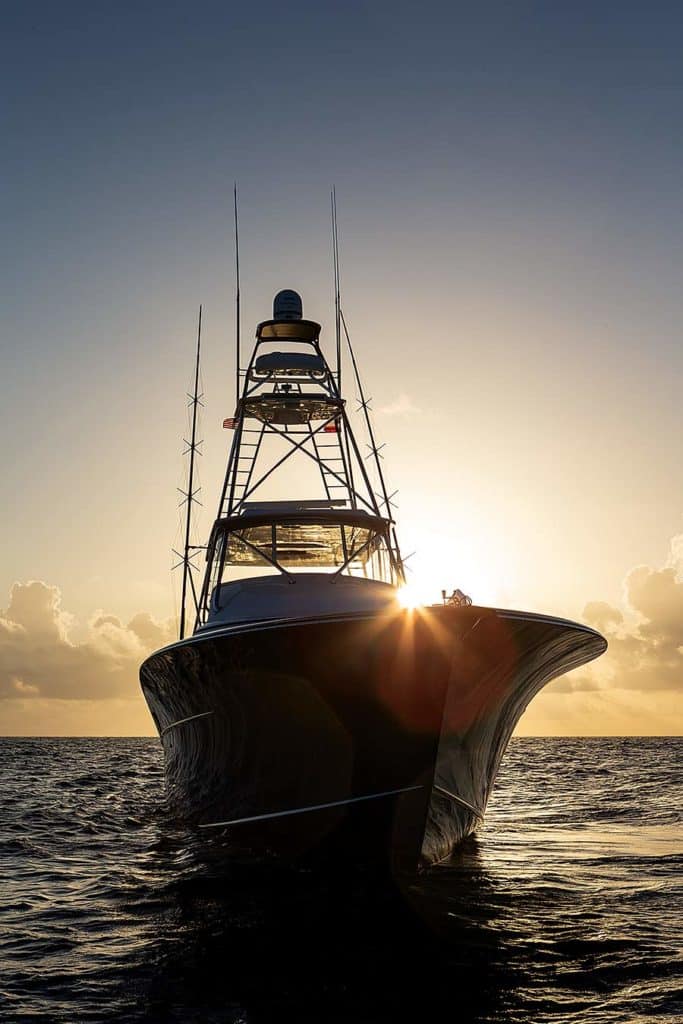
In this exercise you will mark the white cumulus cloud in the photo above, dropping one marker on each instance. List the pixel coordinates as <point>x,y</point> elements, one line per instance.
<point>645,638</point>
<point>39,660</point>
<point>403,405</point>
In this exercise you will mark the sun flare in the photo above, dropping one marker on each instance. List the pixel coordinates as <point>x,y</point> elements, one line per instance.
<point>409,597</point>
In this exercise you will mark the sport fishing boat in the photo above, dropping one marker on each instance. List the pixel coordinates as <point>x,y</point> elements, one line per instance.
<point>309,712</point>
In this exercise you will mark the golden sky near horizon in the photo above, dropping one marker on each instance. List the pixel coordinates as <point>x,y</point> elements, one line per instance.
<point>71,668</point>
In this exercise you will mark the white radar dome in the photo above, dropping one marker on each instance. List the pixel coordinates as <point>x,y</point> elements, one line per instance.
<point>287,305</point>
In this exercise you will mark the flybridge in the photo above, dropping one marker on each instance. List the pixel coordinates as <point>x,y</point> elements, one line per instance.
<point>290,410</point>
<point>293,396</point>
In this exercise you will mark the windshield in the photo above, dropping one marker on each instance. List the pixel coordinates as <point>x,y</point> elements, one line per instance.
<point>302,544</point>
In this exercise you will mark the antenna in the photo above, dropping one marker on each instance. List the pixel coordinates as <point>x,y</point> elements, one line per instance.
<point>193,445</point>
<point>237,300</point>
<point>335,271</point>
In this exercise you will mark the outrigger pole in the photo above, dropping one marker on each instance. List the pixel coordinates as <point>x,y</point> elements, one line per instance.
<point>338,317</point>
<point>237,301</point>
<point>375,450</point>
<point>192,448</point>
<point>337,286</point>
<point>340,325</point>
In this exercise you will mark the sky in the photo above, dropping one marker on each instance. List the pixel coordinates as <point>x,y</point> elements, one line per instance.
<point>508,179</point>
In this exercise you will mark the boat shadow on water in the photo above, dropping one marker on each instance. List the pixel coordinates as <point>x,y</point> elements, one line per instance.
<point>512,928</point>
<point>256,942</point>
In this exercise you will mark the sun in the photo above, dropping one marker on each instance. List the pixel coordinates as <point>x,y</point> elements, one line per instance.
<point>409,597</point>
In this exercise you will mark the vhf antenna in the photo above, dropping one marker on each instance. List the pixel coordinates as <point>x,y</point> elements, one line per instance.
<point>192,449</point>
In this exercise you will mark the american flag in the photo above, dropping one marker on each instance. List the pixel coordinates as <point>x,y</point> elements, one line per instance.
<point>230,423</point>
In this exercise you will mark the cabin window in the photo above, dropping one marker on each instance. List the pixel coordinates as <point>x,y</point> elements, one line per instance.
<point>302,545</point>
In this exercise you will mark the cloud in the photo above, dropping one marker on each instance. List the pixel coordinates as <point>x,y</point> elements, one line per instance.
<point>575,682</point>
<point>40,662</point>
<point>646,640</point>
<point>401,406</point>
<point>602,615</point>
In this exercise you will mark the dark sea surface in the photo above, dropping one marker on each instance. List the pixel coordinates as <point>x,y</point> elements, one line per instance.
<point>567,907</point>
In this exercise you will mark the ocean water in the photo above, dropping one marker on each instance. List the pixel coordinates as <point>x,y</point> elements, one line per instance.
<point>567,906</point>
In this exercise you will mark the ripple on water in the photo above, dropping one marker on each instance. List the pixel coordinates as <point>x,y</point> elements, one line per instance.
<point>563,908</point>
